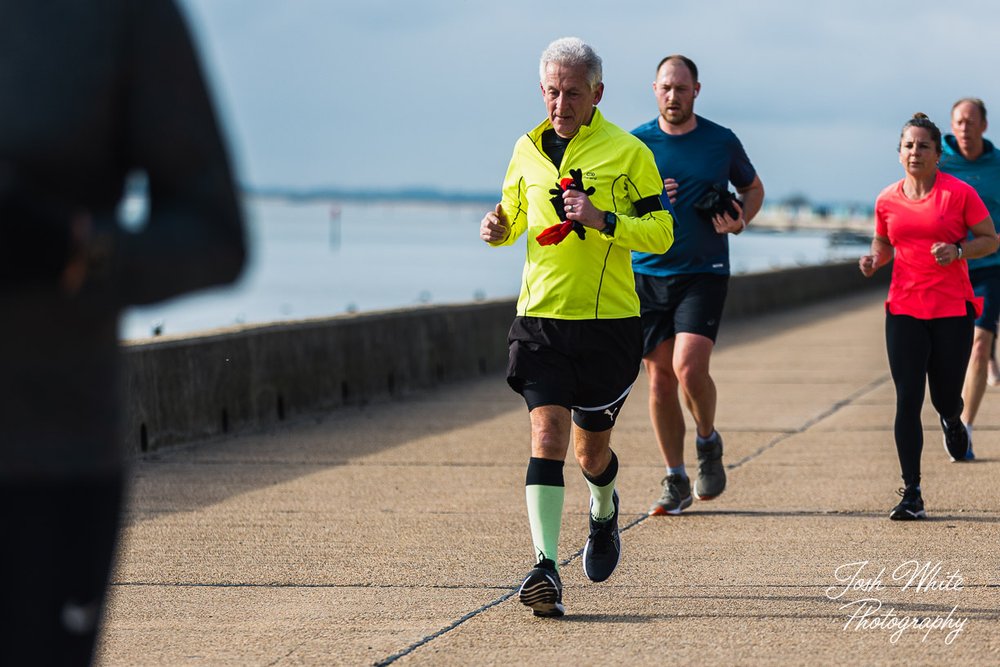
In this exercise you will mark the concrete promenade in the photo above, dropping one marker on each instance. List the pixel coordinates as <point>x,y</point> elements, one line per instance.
<point>397,533</point>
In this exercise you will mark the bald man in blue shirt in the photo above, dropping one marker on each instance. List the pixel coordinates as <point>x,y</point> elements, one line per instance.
<point>967,154</point>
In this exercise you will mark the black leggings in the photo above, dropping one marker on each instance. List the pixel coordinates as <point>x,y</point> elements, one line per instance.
<point>59,543</point>
<point>936,351</point>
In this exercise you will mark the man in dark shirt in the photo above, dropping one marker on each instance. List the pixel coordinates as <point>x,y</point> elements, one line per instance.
<point>683,291</point>
<point>89,92</point>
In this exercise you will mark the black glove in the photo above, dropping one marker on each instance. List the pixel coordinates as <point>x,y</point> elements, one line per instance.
<point>717,201</point>
<point>556,233</point>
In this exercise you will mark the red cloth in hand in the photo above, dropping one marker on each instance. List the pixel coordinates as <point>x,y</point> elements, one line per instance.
<point>554,234</point>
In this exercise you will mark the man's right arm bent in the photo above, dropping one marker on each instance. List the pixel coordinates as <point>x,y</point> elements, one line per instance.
<point>512,211</point>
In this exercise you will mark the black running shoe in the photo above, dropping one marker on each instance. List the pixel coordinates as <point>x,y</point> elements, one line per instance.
<point>911,507</point>
<point>604,548</point>
<point>956,439</point>
<point>542,590</point>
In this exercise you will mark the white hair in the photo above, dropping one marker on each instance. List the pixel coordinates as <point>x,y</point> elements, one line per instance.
<point>572,52</point>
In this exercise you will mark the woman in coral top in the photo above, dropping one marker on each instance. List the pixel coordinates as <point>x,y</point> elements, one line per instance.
<point>923,222</point>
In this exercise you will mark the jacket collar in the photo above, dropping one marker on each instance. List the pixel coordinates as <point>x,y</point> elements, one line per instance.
<point>585,130</point>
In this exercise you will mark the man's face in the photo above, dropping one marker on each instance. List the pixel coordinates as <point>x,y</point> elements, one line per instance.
<point>569,97</point>
<point>675,91</point>
<point>967,124</point>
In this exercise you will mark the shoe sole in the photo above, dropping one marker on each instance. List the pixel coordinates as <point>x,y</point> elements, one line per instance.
<point>542,596</point>
<point>660,510</point>
<point>907,515</point>
<point>707,496</point>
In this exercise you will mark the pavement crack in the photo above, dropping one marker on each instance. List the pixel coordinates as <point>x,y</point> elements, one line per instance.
<point>454,624</point>
<point>472,614</point>
<point>836,407</point>
<point>252,584</point>
<point>809,423</point>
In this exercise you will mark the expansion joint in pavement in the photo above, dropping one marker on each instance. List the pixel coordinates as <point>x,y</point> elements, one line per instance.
<point>809,423</point>
<point>832,410</point>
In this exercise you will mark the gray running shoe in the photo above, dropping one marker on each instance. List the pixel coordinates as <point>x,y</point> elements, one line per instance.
<point>711,472</point>
<point>676,496</point>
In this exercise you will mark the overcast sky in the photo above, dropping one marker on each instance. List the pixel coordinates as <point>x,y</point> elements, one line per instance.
<point>384,93</point>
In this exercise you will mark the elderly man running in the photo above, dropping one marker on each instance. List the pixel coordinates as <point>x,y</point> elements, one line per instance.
<point>587,194</point>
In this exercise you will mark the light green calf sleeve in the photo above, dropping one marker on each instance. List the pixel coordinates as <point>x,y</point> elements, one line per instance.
<point>545,506</point>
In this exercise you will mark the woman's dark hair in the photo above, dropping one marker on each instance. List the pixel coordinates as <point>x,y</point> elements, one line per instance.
<point>921,120</point>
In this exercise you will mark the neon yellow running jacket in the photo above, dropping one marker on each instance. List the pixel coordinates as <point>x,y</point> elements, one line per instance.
<point>591,278</point>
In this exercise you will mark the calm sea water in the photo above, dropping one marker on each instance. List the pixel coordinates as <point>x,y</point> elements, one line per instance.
<point>318,259</point>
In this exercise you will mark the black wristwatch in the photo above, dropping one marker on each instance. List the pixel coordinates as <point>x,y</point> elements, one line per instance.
<point>611,221</point>
<point>960,251</point>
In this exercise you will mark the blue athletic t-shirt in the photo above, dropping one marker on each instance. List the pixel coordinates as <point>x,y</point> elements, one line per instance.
<point>706,155</point>
<point>983,174</point>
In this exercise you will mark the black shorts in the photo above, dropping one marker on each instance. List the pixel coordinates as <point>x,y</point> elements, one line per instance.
<point>587,366</point>
<point>986,283</point>
<point>682,303</point>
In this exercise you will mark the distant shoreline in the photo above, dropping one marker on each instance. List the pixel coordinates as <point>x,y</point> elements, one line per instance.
<point>777,216</point>
<point>403,195</point>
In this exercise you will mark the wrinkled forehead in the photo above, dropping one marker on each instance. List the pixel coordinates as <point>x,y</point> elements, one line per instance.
<point>562,76</point>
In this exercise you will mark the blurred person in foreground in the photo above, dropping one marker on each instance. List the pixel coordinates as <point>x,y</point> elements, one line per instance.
<point>586,193</point>
<point>91,92</point>
<point>967,154</point>
<point>929,224</point>
<point>683,291</point>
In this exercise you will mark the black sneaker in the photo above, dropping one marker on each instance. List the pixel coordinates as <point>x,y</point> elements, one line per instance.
<point>604,548</point>
<point>956,439</point>
<point>542,590</point>
<point>911,507</point>
<point>676,496</point>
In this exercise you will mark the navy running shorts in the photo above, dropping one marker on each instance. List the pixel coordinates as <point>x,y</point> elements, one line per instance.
<point>683,303</point>
<point>986,283</point>
<point>587,366</point>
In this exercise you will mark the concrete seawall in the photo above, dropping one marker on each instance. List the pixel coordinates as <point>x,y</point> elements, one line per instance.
<point>247,378</point>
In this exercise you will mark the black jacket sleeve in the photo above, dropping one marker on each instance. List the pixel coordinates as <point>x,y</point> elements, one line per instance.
<point>194,234</point>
